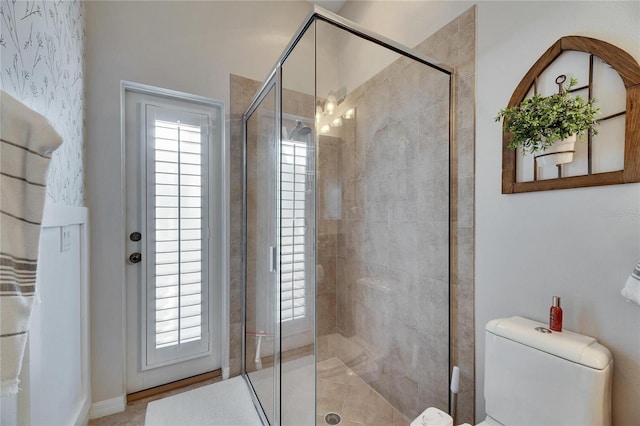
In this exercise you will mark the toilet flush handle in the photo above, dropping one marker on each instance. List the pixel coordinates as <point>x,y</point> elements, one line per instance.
<point>455,380</point>
<point>455,388</point>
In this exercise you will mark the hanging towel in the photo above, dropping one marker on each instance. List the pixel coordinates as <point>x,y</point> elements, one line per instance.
<point>631,290</point>
<point>27,141</point>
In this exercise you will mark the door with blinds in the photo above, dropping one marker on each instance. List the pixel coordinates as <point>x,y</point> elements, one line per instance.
<point>173,293</point>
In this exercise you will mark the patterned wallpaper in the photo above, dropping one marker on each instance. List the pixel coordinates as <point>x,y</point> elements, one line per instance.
<point>42,64</point>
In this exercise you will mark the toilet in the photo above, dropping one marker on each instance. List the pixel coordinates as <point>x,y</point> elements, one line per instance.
<point>534,376</point>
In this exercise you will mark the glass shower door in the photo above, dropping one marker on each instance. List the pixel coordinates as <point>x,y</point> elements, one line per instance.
<point>298,234</point>
<point>261,332</point>
<point>279,328</point>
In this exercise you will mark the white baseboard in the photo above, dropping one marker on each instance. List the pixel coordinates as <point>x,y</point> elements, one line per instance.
<point>82,416</point>
<point>225,372</point>
<point>107,407</point>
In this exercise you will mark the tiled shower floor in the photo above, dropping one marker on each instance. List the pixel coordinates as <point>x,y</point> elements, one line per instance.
<point>340,390</point>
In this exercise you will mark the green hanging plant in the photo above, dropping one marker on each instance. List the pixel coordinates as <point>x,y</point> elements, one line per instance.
<point>540,121</point>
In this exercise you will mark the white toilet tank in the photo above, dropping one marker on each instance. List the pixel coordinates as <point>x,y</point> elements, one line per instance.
<point>537,377</point>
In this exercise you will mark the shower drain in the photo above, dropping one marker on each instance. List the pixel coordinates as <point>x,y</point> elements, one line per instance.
<point>332,419</point>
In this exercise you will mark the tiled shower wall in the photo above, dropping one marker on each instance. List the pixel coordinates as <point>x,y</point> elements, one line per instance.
<point>393,299</point>
<point>329,180</point>
<point>455,44</point>
<point>242,91</point>
<point>392,280</point>
<point>295,104</point>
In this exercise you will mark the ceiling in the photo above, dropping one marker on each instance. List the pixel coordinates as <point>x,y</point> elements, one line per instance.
<point>332,5</point>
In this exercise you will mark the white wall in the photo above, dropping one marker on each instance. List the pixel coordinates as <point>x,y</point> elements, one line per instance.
<point>186,46</point>
<point>57,355</point>
<point>59,335</point>
<point>407,22</point>
<point>54,355</point>
<point>580,244</point>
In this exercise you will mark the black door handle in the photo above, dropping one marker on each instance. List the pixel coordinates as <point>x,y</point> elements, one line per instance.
<point>135,257</point>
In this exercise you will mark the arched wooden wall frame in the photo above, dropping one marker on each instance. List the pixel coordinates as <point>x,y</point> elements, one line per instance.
<point>629,70</point>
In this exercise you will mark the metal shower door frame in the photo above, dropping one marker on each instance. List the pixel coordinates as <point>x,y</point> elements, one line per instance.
<point>274,81</point>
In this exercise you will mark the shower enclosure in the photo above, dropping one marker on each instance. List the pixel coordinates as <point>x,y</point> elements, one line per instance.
<point>347,229</point>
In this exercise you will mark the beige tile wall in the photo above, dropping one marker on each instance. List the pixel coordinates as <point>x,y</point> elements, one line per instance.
<point>242,91</point>
<point>300,105</point>
<point>455,44</point>
<point>392,284</point>
<point>329,177</point>
<point>393,239</point>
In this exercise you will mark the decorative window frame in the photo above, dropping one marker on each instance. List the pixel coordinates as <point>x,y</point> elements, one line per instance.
<point>629,70</point>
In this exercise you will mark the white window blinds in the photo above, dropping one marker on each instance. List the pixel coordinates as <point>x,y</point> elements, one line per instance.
<point>293,229</point>
<point>176,213</point>
<point>178,210</point>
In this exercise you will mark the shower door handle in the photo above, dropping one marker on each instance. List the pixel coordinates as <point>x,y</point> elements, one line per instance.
<point>272,259</point>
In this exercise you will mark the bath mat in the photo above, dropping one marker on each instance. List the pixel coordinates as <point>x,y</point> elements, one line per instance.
<point>226,403</point>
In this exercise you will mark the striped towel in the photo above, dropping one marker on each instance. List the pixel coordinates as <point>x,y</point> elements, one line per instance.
<point>631,290</point>
<point>27,141</point>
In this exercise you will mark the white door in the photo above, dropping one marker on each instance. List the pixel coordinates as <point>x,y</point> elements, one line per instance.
<point>173,287</point>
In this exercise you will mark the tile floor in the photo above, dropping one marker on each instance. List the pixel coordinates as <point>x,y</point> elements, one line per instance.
<point>134,414</point>
<point>340,390</point>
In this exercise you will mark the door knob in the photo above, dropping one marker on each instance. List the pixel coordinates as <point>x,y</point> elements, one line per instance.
<point>135,236</point>
<point>135,257</point>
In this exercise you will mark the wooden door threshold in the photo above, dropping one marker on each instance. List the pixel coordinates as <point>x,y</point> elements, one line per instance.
<point>136,396</point>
